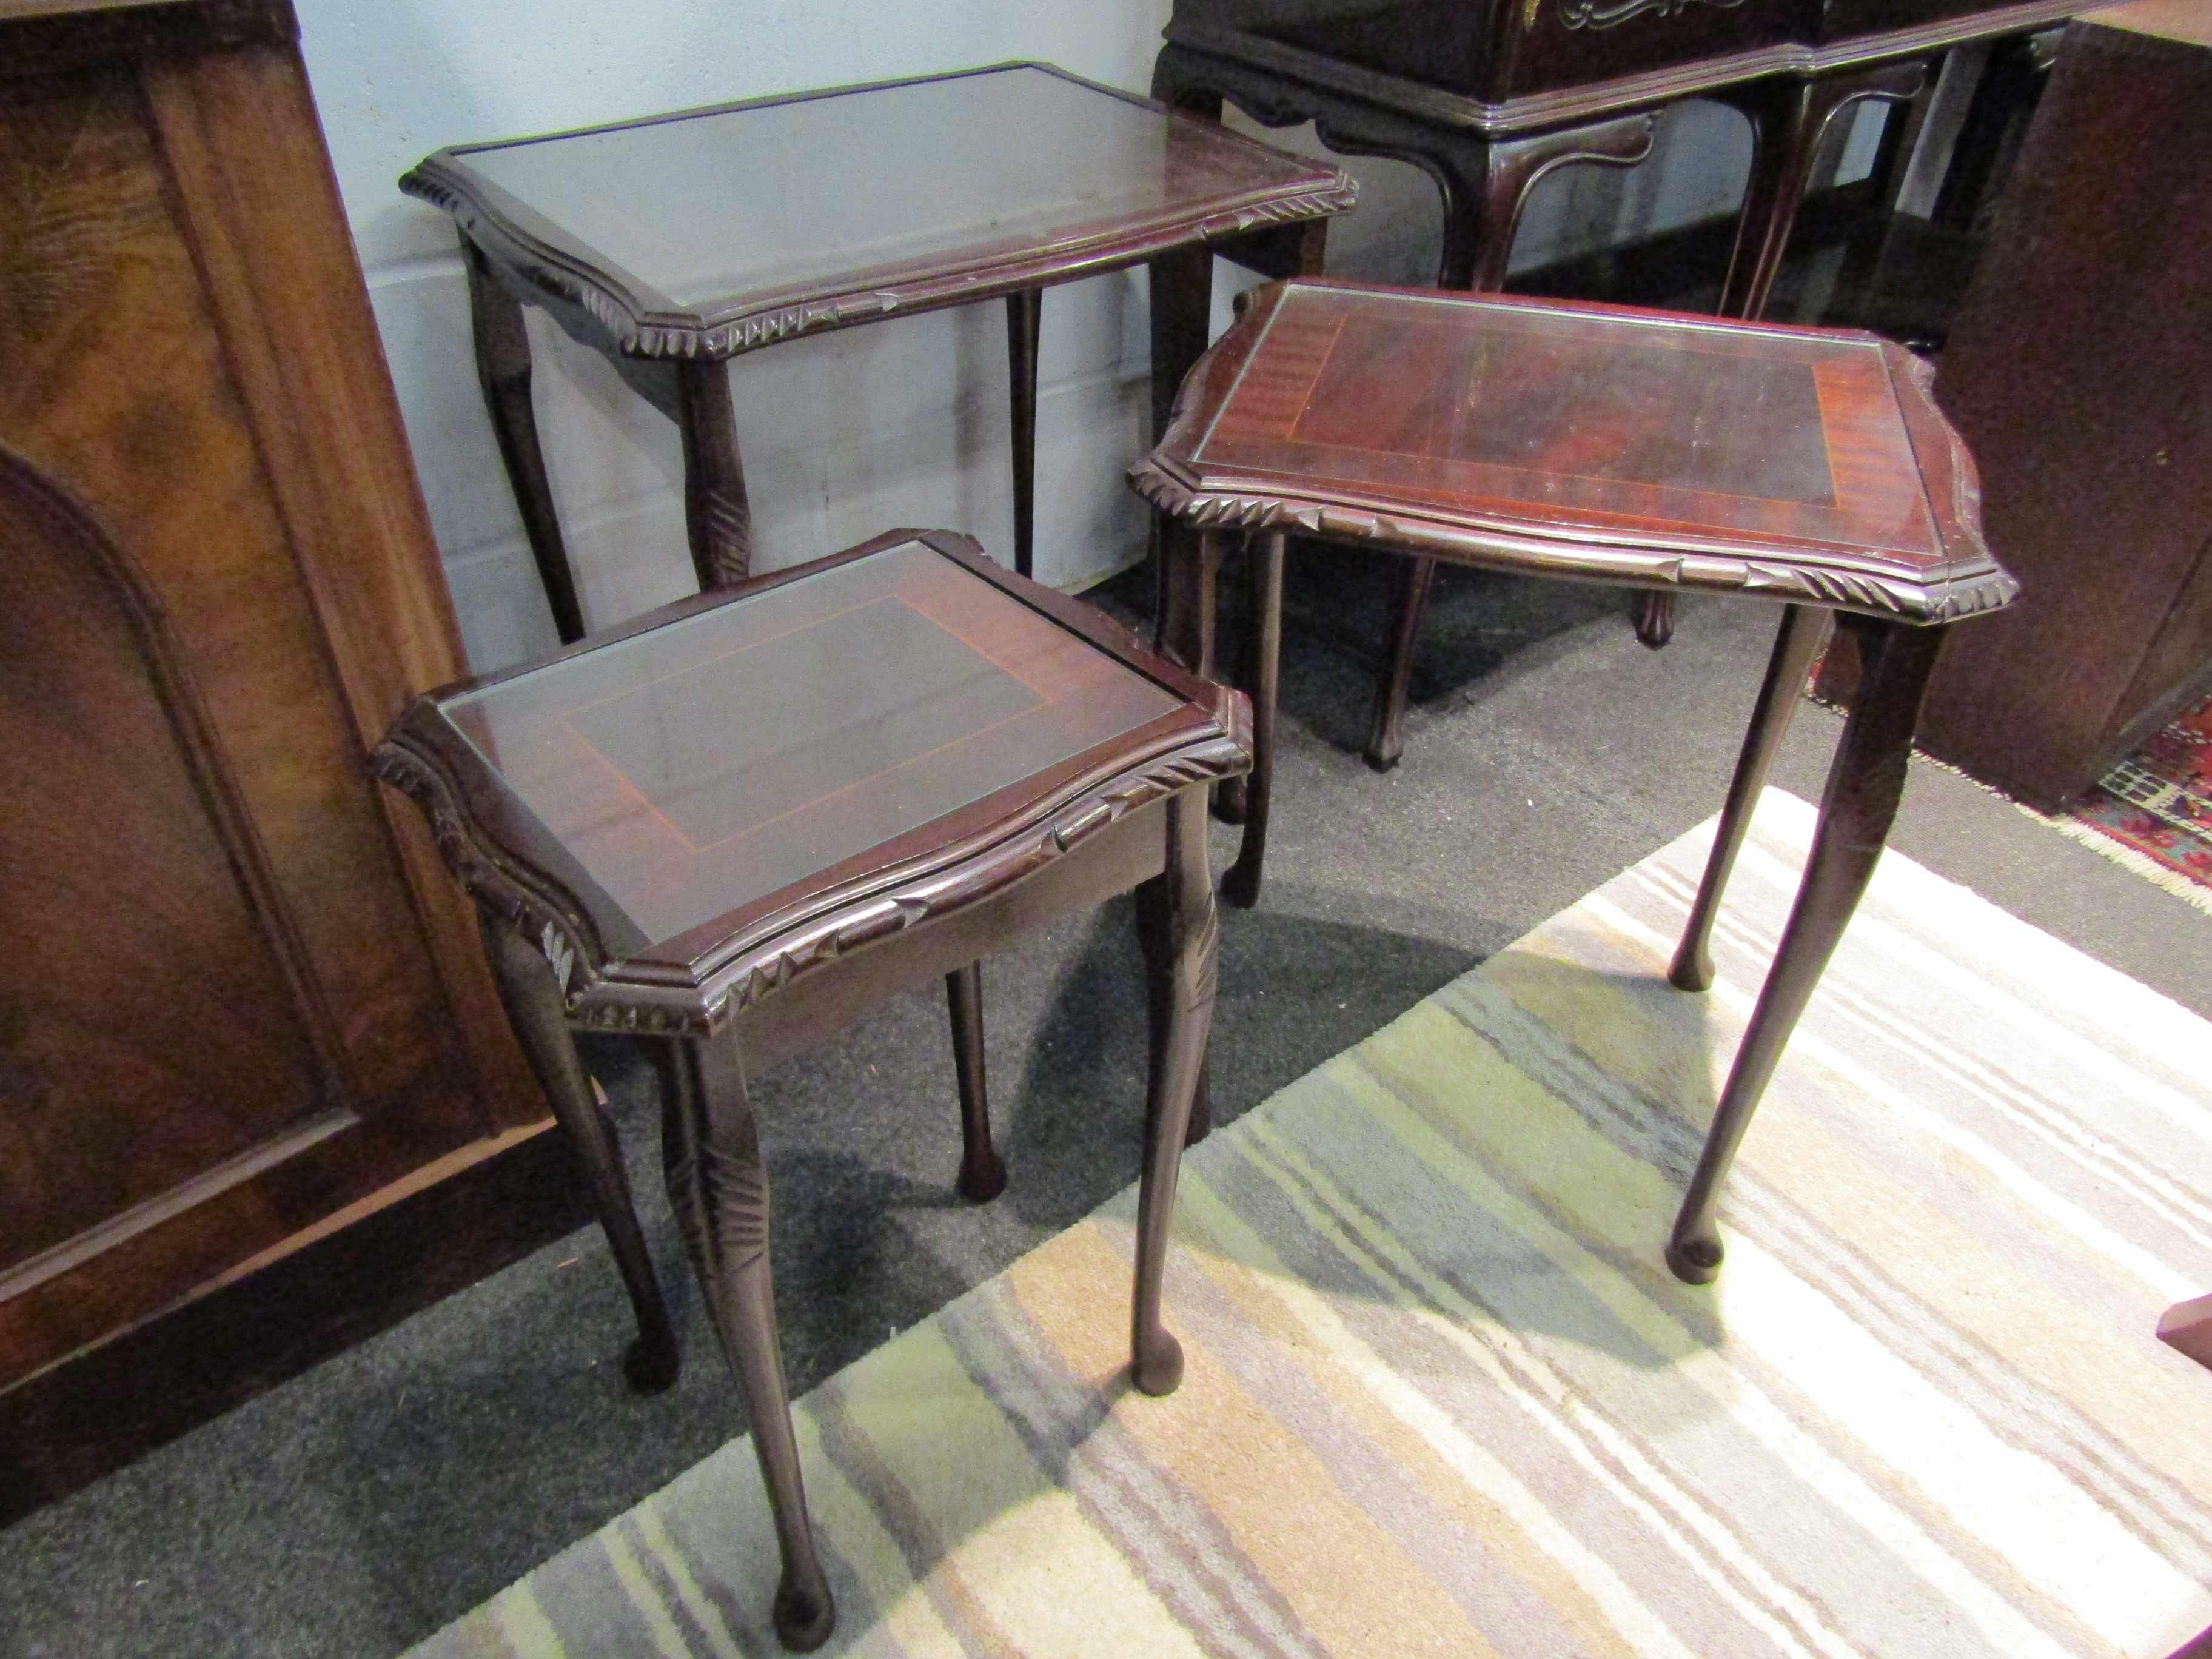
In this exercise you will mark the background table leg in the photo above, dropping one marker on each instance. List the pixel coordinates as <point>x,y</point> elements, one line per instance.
<point>1864,783</point>
<point>716,514</point>
<point>1182,283</point>
<point>1796,644</point>
<point>1185,939</point>
<point>532,991</point>
<point>503,351</point>
<point>983,1173</point>
<point>1263,625</point>
<point>1788,116</point>
<point>711,1155</point>
<point>1485,186</point>
<point>1024,318</point>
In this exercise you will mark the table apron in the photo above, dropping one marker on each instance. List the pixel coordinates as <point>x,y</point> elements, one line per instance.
<point>824,1002</point>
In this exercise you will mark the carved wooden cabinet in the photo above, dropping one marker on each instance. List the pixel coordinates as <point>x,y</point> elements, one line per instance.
<point>239,1006</point>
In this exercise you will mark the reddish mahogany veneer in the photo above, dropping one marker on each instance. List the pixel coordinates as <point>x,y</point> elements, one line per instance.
<point>1598,444</point>
<point>739,823</point>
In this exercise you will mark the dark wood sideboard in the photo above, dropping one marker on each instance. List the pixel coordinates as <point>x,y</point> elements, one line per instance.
<point>2079,370</point>
<point>1532,60</point>
<point>256,1096</point>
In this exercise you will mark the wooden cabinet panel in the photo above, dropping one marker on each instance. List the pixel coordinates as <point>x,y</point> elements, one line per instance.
<point>116,1101</point>
<point>243,1000</point>
<point>2080,369</point>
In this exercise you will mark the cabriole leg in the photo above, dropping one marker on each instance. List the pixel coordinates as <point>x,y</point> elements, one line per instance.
<point>1241,887</point>
<point>717,516</point>
<point>1788,117</point>
<point>983,1174</point>
<point>530,991</point>
<point>711,1155</point>
<point>1183,933</point>
<point>1864,783</point>
<point>1386,736</point>
<point>1025,317</point>
<point>502,349</point>
<point>1485,186</point>
<point>1795,644</point>
<point>1181,289</point>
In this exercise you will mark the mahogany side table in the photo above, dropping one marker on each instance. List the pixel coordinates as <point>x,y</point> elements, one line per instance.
<point>1806,467</point>
<point>733,826</point>
<point>673,243</point>
<point>1488,96</point>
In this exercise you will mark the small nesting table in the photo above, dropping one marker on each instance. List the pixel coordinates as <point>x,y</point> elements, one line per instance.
<point>1809,468</point>
<point>733,825</point>
<point>674,243</point>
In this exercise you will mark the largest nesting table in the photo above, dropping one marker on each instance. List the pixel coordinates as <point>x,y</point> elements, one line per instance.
<point>1809,468</point>
<point>674,243</point>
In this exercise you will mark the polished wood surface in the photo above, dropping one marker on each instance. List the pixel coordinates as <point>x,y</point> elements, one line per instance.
<point>1594,443</point>
<point>244,999</point>
<point>650,855</point>
<point>711,764</point>
<point>2080,368</point>
<point>1584,442</point>
<point>694,236</point>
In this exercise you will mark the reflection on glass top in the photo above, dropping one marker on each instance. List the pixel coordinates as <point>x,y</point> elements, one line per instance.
<point>701,766</point>
<point>713,209</point>
<point>1539,398</point>
<point>1558,415</point>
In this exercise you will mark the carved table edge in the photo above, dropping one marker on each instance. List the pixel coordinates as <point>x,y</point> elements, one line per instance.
<point>819,929</point>
<point>643,325</point>
<point>1530,550</point>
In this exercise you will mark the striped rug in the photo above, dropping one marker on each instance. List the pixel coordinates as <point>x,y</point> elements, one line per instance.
<point>1443,1398</point>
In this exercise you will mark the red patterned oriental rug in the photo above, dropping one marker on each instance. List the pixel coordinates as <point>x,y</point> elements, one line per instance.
<point>2153,812</point>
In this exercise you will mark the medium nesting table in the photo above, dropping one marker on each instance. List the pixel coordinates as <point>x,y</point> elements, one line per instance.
<point>1809,468</point>
<point>676,242</point>
<point>733,826</point>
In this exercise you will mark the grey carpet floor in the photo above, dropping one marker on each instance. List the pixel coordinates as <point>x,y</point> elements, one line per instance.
<point>359,1507</point>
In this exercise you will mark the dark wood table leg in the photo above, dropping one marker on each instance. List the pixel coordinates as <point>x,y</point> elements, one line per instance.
<point>1864,783</point>
<point>1024,316</point>
<point>719,1185</point>
<point>1184,632</point>
<point>1182,284</point>
<point>1409,602</point>
<point>503,349</point>
<point>716,514</point>
<point>982,1172</point>
<point>532,993</point>
<point>1263,625</point>
<point>1654,618</point>
<point>1788,116</point>
<point>1181,929</point>
<point>2011,82</point>
<point>1191,570</point>
<point>1485,186</point>
<point>1230,801</point>
<point>1803,629</point>
<point>1788,119</point>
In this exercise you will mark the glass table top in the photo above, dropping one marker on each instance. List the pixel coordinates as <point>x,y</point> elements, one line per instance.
<point>713,209</point>
<point>698,767</point>
<point>1574,417</point>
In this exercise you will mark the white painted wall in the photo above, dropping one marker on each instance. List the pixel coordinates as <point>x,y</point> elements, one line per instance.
<point>901,422</point>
